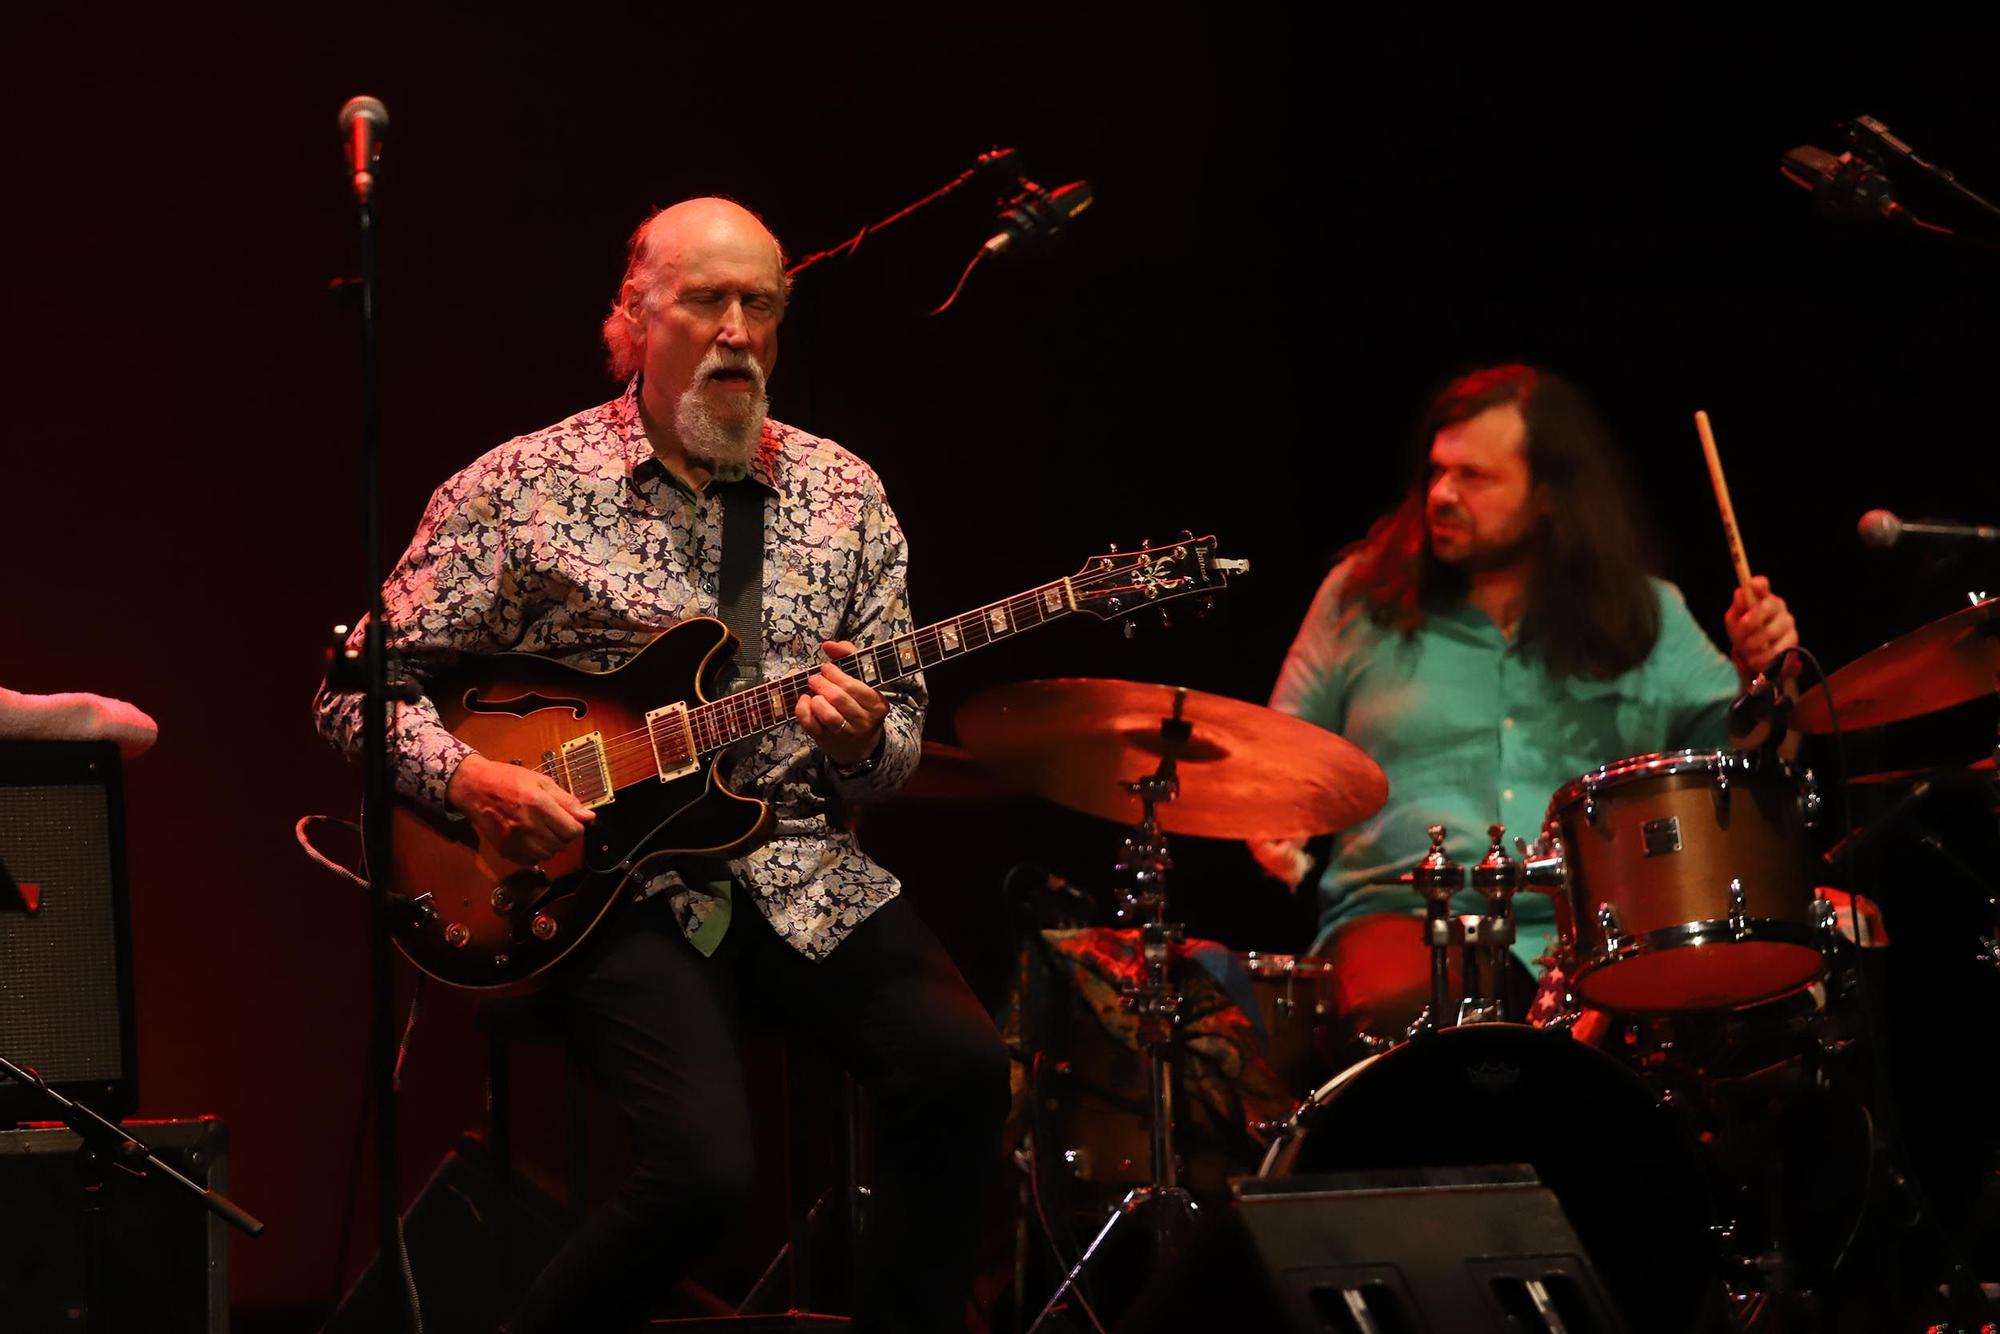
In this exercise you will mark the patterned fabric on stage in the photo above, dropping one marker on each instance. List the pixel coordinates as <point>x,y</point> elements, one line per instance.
<point>1230,1088</point>
<point>576,542</point>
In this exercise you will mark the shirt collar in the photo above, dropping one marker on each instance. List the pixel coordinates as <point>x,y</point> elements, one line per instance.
<point>766,465</point>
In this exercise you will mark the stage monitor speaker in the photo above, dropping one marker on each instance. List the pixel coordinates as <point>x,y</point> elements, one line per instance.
<point>160,1257</point>
<point>452,1251</point>
<point>65,938</point>
<point>1438,1251</point>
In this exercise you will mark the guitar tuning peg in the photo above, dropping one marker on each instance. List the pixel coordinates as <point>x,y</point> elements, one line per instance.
<point>1187,535</point>
<point>1203,607</point>
<point>1113,548</point>
<point>1145,542</point>
<point>1131,628</point>
<point>1166,622</point>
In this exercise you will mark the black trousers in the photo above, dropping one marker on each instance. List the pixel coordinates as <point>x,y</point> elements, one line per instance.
<point>658,1024</point>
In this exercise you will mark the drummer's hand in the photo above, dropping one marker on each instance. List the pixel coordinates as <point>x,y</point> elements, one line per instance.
<point>1283,859</point>
<point>1759,631</point>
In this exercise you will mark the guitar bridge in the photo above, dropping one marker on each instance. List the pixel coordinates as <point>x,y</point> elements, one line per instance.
<point>588,772</point>
<point>674,750</point>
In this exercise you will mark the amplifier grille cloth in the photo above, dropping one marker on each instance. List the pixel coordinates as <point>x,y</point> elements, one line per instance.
<point>59,966</point>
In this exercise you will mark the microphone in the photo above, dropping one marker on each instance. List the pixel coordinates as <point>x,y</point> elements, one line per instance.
<point>363,121</point>
<point>1036,213</point>
<point>1882,529</point>
<point>1847,187</point>
<point>1756,703</point>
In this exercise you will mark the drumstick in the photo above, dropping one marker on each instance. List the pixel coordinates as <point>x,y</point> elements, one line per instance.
<point>1729,528</point>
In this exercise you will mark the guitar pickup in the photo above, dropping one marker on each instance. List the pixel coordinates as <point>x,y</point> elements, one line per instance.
<point>589,774</point>
<point>674,751</point>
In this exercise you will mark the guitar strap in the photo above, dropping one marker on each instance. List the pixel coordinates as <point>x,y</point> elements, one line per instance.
<point>740,586</point>
<point>740,598</point>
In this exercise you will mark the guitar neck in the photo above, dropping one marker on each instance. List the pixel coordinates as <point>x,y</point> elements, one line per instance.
<point>770,704</point>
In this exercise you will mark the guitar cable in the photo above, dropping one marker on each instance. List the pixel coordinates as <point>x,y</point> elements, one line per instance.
<point>300,831</point>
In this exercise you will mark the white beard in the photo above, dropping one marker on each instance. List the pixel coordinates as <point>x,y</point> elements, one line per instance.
<point>723,445</point>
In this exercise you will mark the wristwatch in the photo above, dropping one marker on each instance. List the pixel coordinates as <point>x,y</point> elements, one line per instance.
<point>865,767</point>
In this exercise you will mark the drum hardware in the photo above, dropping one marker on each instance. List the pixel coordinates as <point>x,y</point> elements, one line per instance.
<point>1438,879</point>
<point>1486,938</point>
<point>1253,773</point>
<point>1169,1208</point>
<point>1497,876</point>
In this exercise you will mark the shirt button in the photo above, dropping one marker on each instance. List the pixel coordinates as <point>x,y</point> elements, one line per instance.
<point>1507,795</point>
<point>1507,723</point>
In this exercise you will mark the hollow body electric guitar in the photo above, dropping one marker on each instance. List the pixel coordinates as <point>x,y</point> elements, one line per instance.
<point>637,745</point>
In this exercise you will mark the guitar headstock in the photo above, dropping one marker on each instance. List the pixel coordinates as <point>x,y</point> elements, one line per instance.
<point>1119,584</point>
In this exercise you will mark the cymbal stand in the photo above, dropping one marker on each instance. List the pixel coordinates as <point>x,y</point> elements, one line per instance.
<point>1168,1208</point>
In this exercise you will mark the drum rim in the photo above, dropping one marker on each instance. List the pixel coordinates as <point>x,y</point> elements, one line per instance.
<point>1285,1136</point>
<point>1697,935</point>
<point>1667,763</point>
<point>1269,963</point>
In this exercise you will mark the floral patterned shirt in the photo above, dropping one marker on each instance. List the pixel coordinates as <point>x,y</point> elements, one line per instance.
<point>576,542</point>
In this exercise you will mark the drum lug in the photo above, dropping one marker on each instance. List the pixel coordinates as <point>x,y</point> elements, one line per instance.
<point>1826,918</point>
<point>1545,864</point>
<point>1809,800</point>
<point>1739,919</point>
<point>1612,927</point>
<point>1590,800</point>
<point>1719,770</point>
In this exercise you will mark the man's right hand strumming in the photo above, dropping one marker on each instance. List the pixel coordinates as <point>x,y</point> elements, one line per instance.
<point>523,813</point>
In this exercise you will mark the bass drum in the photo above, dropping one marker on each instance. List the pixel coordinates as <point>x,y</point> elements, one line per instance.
<point>1626,1171</point>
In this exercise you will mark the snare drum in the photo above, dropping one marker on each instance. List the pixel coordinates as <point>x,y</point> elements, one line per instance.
<point>1689,881</point>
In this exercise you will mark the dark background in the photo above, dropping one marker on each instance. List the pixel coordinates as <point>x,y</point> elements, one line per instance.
<point>1303,225</point>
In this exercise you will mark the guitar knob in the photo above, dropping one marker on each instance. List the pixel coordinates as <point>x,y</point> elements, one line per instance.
<point>543,927</point>
<point>458,935</point>
<point>502,900</point>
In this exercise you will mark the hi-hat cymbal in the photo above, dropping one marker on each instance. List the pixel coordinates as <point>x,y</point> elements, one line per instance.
<point>1245,771</point>
<point>1947,662</point>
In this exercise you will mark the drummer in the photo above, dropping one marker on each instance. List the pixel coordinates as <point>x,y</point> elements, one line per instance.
<point>1497,635</point>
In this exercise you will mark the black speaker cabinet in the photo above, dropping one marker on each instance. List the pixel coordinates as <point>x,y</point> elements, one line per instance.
<point>65,942</point>
<point>1469,1250</point>
<point>160,1256</point>
<point>1451,1249</point>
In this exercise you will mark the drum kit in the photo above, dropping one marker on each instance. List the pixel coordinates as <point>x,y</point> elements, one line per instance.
<point>1693,1080</point>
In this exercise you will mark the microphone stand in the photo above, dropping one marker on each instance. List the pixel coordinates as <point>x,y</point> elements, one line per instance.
<point>378,794</point>
<point>105,1145</point>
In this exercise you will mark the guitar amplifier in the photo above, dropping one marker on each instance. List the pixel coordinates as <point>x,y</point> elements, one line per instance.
<point>65,940</point>
<point>160,1257</point>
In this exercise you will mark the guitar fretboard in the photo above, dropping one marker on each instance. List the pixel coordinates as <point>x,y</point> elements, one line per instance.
<point>770,704</point>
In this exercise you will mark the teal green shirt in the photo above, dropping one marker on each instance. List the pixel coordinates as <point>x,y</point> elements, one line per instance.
<point>1472,731</point>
